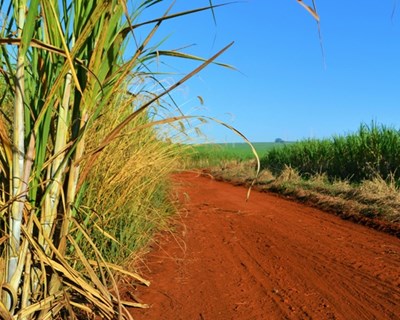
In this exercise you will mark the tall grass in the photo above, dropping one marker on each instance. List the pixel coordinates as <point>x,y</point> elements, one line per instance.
<point>65,68</point>
<point>126,195</point>
<point>373,151</point>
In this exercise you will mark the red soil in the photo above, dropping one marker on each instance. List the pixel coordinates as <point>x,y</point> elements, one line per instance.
<point>267,258</point>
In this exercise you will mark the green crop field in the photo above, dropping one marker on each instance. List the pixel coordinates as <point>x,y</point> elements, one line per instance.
<point>373,151</point>
<point>212,154</point>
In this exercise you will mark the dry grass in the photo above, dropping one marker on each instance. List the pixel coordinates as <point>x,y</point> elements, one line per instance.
<point>379,189</point>
<point>127,192</point>
<point>288,175</point>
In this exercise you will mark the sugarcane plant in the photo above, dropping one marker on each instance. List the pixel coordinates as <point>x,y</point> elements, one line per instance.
<point>63,63</point>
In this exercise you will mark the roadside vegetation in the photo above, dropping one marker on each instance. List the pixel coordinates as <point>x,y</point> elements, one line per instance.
<point>83,171</point>
<point>364,188</point>
<point>126,196</point>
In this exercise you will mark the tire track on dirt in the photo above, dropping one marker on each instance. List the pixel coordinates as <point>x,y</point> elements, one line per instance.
<point>267,258</point>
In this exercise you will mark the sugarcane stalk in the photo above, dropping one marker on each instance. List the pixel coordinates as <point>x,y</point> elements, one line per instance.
<point>58,164</point>
<point>18,160</point>
<point>58,167</point>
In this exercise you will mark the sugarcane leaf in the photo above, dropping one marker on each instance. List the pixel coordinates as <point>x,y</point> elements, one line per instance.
<point>309,9</point>
<point>172,16</point>
<point>182,55</point>
<point>121,270</point>
<point>29,26</point>
<point>111,136</point>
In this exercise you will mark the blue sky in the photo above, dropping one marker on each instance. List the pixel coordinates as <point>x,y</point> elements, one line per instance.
<point>285,86</point>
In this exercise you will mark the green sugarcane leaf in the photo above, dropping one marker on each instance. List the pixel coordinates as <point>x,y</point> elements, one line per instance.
<point>181,55</point>
<point>29,26</point>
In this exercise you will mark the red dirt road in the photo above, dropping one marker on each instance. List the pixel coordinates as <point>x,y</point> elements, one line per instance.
<point>267,258</point>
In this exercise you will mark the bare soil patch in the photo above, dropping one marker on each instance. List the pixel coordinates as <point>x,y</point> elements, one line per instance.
<point>267,258</point>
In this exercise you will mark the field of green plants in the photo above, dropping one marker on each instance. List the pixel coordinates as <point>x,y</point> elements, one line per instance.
<point>370,152</point>
<point>373,151</point>
<point>214,154</point>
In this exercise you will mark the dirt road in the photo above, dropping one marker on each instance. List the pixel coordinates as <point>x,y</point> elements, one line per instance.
<point>267,258</point>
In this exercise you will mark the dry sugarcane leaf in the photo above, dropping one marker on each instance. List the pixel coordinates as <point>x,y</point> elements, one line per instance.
<point>3,239</point>
<point>4,313</point>
<point>89,270</point>
<point>121,270</point>
<point>40,305</point>
<point>309,9</point>
<point>135,304</point>
<point>75,278</point>
<point>87,265</point>
<point>54,311</point>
